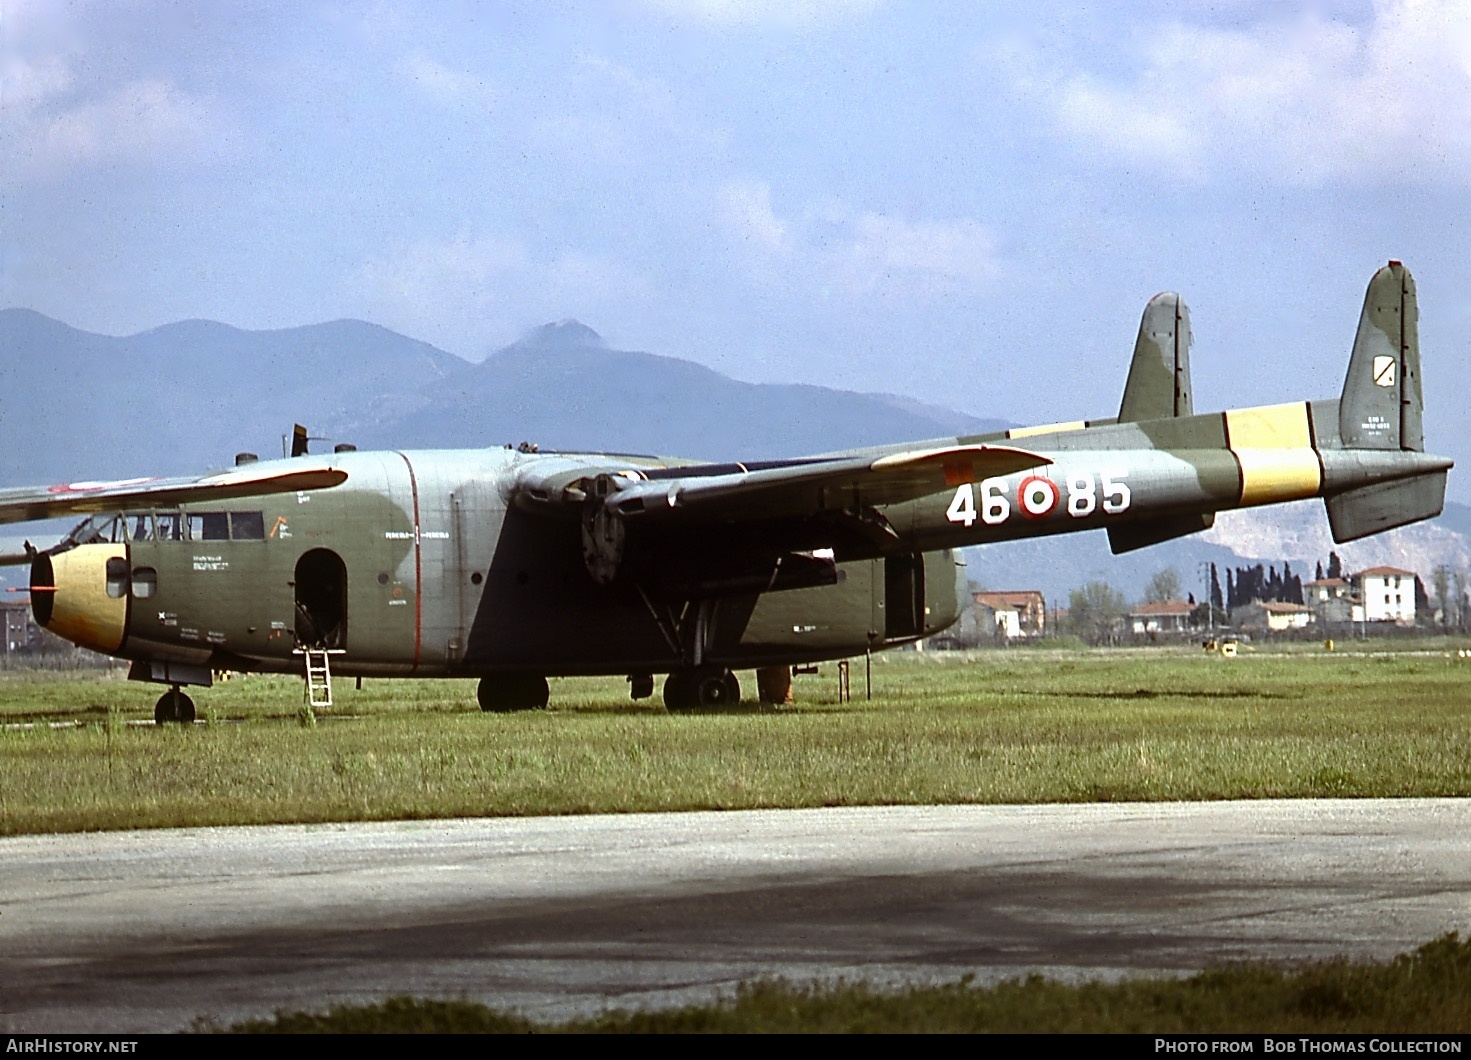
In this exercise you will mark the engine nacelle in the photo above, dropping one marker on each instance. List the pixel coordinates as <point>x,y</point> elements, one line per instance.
<point>82,595</point>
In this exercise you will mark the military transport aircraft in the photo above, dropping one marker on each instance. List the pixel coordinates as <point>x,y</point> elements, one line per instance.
<point>512,565</point>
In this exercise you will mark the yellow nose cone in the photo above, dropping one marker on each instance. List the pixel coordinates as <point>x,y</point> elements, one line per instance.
<point>88,595</point>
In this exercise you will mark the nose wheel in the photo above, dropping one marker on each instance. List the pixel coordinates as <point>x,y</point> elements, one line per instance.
<point>174,706</point>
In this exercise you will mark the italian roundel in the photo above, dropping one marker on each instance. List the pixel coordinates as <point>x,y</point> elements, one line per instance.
<point>1037,496</point>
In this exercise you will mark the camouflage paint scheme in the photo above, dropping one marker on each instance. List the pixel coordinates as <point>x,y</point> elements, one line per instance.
<point>517,565</point>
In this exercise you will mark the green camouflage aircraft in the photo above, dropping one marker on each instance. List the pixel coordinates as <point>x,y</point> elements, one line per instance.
<point>516,565</point>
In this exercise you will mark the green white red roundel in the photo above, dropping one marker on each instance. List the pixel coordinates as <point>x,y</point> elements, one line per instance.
<point>1036,496</point>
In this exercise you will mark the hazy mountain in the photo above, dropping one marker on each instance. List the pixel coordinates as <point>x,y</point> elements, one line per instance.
<point>562,387</point>
<point>188,396</point>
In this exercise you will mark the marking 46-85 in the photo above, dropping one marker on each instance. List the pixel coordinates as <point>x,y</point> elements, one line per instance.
<point>1036,497</point>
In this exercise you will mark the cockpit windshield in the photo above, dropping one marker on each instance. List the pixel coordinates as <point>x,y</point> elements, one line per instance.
<point>97,529</point>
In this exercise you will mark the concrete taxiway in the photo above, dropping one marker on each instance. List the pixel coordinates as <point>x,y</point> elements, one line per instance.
<point>146,931</point>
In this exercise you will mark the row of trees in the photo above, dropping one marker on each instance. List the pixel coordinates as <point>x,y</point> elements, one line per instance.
<point>1098,612</point>
<point>1452,597</point>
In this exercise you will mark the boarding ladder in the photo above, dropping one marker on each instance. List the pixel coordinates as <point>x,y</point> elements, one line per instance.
<point>318,675</point>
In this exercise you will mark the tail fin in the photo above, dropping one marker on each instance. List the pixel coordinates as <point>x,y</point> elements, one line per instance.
<point>1381,403</point>
<point>1159,376</point>
<point>1158,388</point>
<point>1381,409</point>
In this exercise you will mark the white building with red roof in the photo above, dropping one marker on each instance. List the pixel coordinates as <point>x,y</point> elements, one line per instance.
<point>1387,595</point>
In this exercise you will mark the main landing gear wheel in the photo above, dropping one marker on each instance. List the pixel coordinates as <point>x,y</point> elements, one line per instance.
<point>173,705</point>
<point>509,692</point>
<point>693,689</point>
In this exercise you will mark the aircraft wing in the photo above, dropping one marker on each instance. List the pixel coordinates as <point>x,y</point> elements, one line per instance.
<point>85,498</point>
<point>734,493</point>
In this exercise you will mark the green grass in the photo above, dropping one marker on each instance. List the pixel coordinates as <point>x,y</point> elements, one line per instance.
<point>1427,992</point>
<point>997,727</point>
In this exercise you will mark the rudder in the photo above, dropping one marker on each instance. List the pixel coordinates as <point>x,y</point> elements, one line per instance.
<point>1381,406</point>
<point>1158,386</point>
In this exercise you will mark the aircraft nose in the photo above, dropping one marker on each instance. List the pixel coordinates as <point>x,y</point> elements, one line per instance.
<point>81,595</point>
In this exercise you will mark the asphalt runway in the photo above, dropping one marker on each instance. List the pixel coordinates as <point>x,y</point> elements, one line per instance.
<point>146,931</point>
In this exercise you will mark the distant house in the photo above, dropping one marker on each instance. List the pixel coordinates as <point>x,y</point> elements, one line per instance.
<point>15,620</point>
<point>1332,600</point>
<point>1387,595</point>
<point>1272,615</point>
<point>1013,614</point>
<point>1164,616</point>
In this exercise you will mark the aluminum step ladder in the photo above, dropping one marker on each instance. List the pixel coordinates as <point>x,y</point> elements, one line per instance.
<point>318,676</point>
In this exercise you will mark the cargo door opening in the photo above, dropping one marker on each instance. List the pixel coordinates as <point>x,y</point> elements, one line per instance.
<point>321,600</point>
<point>903,595</point>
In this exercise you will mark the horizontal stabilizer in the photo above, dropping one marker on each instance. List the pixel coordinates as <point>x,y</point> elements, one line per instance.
<point>1385,505</point>
<point>1126,537</point>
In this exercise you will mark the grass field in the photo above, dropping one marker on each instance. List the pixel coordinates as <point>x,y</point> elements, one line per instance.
<point>990,727</point>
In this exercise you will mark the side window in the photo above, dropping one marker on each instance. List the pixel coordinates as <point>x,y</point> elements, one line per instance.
<point>117,577</point>
<point>142,528</point>
<point>248,526</point>
<point>208,526</point>
<point>145,582</point>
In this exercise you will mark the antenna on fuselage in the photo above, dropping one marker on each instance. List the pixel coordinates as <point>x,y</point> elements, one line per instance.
<point>299,438</point>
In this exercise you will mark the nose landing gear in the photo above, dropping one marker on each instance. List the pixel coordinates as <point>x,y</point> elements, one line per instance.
<point>173,706</point>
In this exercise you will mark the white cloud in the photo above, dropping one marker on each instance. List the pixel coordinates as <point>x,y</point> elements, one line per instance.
<point>443,84</point>
<point>488,288</point>
<point>50,126</point>
<point>427,270</point>
<point>926,258</point>
<point>746,209</point>
<point>836,249</point>
<point>1303,101</point>
<point>797,14</point>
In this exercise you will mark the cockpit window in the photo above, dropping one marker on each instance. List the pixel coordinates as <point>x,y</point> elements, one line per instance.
<point>96,529</point>
<point>170,526</point>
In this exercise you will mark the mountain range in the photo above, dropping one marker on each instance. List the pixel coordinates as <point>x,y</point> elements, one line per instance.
<point>187,396</point>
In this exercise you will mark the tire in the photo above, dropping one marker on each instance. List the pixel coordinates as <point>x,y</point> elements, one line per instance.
<point>173,706</point>
<point>512,692</point>
<point>719,690</point>
<point>700,689</point>
<point>679,691</point>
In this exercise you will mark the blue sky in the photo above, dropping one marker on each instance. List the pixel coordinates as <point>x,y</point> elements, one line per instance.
<point>964,203</point>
